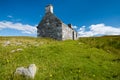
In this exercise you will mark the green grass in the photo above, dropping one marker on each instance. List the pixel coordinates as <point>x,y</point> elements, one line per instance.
<point>60,60</point>
<point>111,44</point>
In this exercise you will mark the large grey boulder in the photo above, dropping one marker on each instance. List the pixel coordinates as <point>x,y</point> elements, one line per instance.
<point>27,72</point>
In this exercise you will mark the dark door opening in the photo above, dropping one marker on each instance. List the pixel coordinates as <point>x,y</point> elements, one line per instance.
<point>73,35</point>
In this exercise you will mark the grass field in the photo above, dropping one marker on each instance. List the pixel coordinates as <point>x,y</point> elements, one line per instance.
<point>83,59</point>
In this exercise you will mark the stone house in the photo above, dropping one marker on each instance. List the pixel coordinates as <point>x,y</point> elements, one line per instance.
<point>52,27</point>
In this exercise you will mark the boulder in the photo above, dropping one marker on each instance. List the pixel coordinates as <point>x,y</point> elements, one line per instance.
<point>27,72</point>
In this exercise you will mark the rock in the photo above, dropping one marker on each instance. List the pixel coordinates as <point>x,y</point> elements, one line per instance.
<point>19,49</point>
<point>79,43</point>
<point>27,72</point>
<point>12,51</point>
<point>6,43</point>
<point>32,69</point>
<point>18,43</point>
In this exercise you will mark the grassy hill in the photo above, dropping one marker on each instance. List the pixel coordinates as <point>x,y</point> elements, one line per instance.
<point>110,44</point>
<point>84,59</point>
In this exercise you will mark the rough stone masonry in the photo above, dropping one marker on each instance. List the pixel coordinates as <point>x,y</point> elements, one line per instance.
<point>52,27</point>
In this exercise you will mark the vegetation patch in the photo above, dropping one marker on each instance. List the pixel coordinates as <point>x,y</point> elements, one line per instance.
<point>83,59</point>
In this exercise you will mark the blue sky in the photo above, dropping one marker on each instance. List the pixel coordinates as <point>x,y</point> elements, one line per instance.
<point>89,17</point>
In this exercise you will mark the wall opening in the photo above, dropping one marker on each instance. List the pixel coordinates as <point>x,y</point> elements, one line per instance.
<point>76,35</point>
<point>73,35</point>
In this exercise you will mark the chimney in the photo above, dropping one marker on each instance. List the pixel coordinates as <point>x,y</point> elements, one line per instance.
<point>70,26</point>
<point>49,8</point>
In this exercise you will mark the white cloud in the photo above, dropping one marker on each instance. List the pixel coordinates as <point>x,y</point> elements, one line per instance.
<point>98,29</point>
<point>9,16</point>
<point>92,30</point>
<point>25,28</point>
<point>13,19</point>
<point>75,27</point>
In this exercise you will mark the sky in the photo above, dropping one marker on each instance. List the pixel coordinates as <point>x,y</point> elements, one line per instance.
<point>88,17</point>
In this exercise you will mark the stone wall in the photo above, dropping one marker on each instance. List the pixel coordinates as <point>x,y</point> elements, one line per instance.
<point>50,26</point>
<point>75,35</point>
<point>68,33</point>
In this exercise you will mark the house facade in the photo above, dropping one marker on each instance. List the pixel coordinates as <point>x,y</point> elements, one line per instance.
<point>52,27</point>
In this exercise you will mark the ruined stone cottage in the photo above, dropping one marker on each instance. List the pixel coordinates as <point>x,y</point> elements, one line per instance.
<point>52,27</point>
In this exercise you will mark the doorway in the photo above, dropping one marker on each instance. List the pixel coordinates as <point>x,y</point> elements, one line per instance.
<point>73,35</point>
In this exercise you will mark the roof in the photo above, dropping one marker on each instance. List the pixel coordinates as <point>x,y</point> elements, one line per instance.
<point>51,17</point>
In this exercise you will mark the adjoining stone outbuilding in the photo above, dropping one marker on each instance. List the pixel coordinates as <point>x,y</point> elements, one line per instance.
<point>52,27</point>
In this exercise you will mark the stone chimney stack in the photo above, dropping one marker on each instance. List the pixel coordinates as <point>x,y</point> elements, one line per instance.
<point>70,25</point>
<point>49,8</point>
